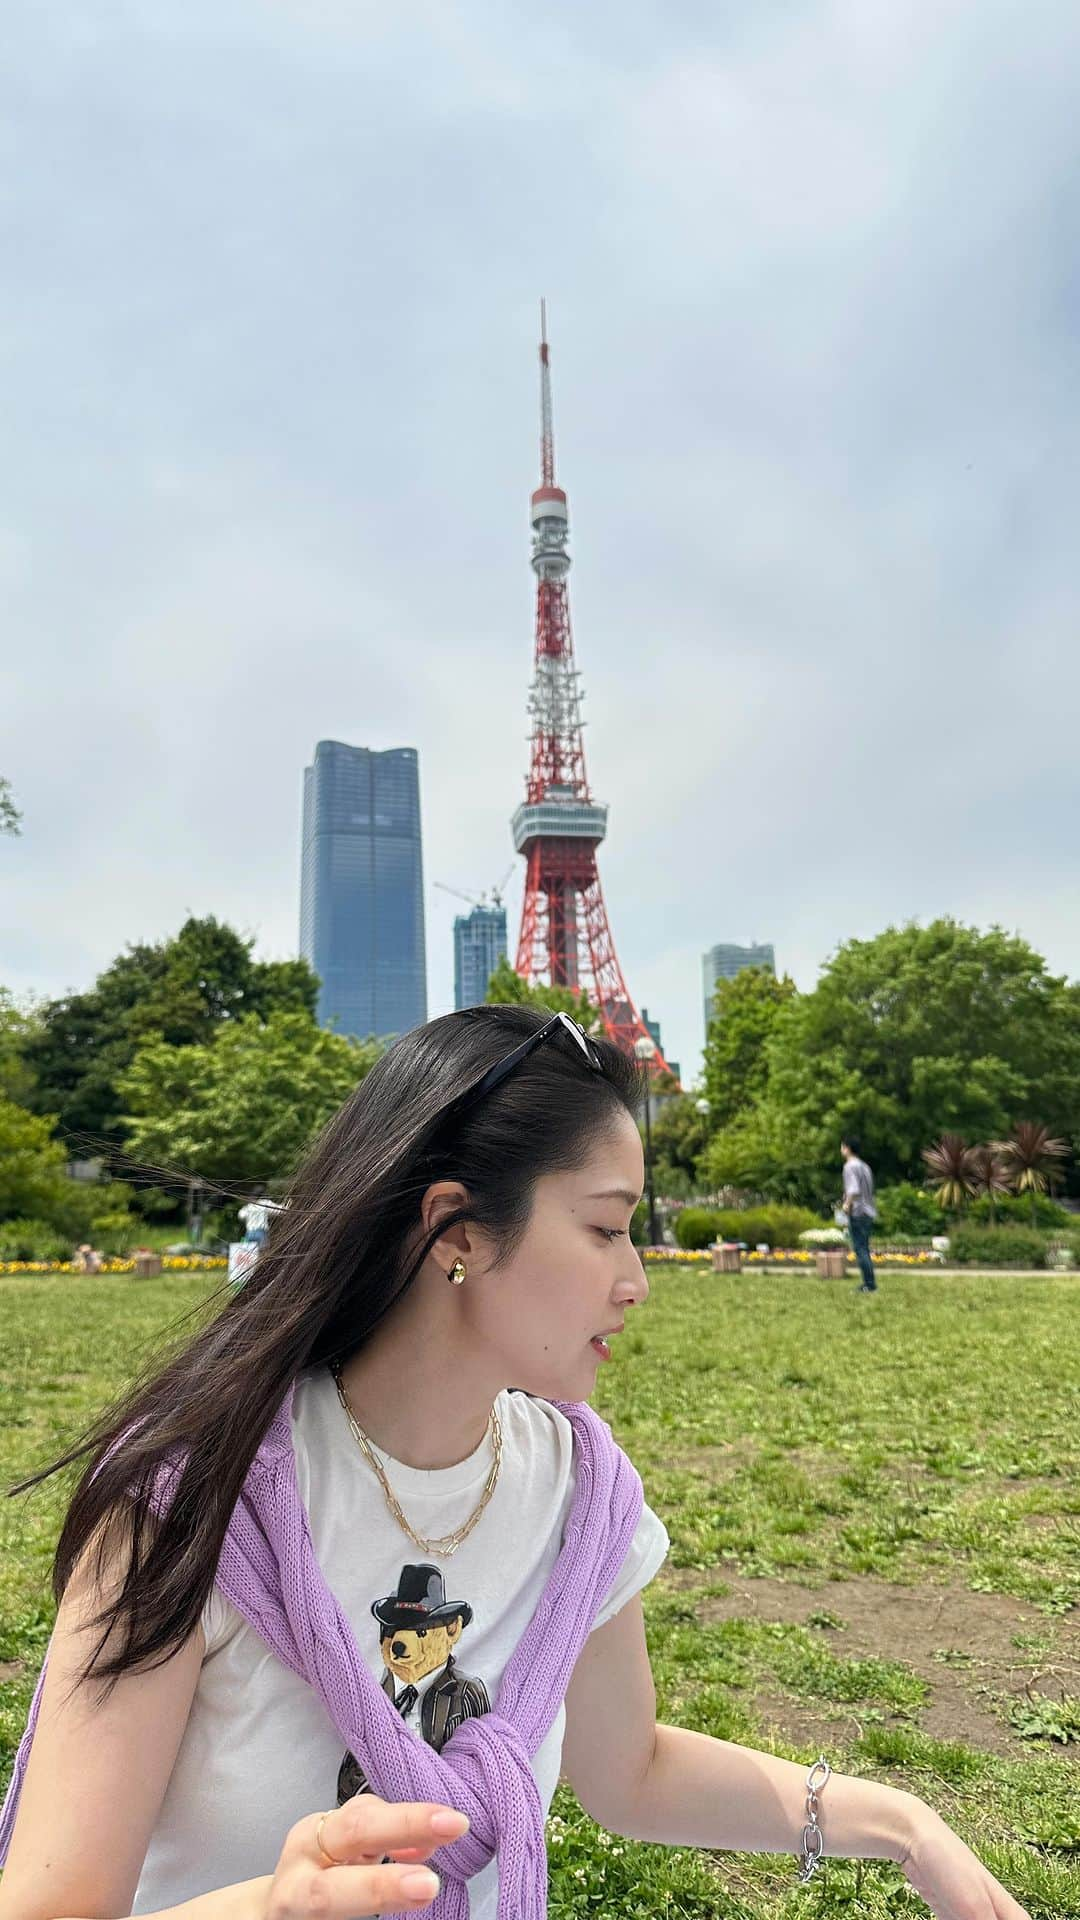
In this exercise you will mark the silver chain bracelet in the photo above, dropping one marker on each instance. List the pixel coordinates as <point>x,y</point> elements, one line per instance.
<point>812,1843</point>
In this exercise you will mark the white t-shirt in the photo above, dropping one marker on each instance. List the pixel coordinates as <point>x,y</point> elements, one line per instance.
<point>859,1187</point>
<point>259,1750</point>
<point>256,1215</point>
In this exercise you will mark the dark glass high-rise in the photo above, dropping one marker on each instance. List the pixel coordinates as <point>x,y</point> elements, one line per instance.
<point>361,888</point>
<point>479,945</point>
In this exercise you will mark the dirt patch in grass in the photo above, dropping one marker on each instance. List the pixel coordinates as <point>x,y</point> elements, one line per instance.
<point>800,1725</point>
<point>729,1453</point>
<point>961,1643</point>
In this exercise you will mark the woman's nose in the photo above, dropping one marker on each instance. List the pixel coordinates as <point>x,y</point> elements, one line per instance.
<point>633,1287</point>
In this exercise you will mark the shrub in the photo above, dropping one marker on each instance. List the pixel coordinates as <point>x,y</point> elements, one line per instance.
<point>776,1226</point>
<point>115,1233</point>
<point>1009,1246</point>
<point>696,1227</point>
<point>33,1240</point>
<point>816,1237</point>
<point>906,1212</point>
<point>1017,1206</point>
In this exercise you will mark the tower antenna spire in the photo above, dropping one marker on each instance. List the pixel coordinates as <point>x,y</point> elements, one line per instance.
<point>547,435</point>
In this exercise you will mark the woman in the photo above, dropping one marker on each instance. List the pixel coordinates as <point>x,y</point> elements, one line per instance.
<point>358,1569</point>
<point>256,1215</point>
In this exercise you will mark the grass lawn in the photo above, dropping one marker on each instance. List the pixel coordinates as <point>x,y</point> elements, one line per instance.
<point>874,1508</point>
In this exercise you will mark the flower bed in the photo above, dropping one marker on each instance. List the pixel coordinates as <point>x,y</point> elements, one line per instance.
<point>787,1257</point>
<point>676,1256</point>
<point>170,1263</point>
<point>803,1257</point>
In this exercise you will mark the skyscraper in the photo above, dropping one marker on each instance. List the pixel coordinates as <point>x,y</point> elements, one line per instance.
<point>479,945</point>
<point>361,888</point>
<point>724,962</point>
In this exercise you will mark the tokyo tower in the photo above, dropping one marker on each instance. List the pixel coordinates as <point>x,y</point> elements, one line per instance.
<point>565,937</point>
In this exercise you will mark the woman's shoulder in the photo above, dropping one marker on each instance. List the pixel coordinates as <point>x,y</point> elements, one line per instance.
<point>531,1423</point>
<point>540,1437</point>
<point>549,1431</point>
<point>538,1448</point>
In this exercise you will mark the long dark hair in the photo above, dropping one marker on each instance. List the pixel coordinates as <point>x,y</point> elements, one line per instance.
<point>333,1263</point>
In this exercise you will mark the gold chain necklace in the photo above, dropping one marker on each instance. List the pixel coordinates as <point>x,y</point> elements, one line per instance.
<point>450,1542</point>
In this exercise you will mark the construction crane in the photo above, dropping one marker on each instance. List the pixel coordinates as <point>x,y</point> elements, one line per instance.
<point>493,897</point>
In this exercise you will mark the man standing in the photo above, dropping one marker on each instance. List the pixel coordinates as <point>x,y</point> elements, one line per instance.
<point>860,1209</point>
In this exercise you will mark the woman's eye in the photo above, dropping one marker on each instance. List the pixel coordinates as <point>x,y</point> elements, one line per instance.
<point>612,1233</point>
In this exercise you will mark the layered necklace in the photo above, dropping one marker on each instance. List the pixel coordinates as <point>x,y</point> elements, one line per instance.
<point>450,1542</point>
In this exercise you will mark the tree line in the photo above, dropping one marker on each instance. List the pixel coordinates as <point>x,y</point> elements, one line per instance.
<point>188,1058</point>
<point>919,1033</point>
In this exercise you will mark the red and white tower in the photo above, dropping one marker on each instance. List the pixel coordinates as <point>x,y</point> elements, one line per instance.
<point>565,938</point>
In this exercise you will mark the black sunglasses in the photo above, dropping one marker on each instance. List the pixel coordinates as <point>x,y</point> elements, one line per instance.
<point>494,1077</point>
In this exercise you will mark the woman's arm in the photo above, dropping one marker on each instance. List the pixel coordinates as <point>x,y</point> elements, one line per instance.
<point>667,1784</point>
<point>97,1771</point>
<point>97,1775</point>
<point>654,1782</point>
<point>245,1900</point>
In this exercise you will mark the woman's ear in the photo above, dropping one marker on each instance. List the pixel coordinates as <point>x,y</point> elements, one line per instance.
<point>441,1202</point>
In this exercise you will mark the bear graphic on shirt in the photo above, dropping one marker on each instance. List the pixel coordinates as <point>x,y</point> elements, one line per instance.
<point>419,1630</point>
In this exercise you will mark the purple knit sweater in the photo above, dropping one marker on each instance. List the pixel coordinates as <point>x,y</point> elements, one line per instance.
<point>268,1570</point>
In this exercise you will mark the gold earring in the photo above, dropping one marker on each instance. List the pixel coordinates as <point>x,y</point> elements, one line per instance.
<point>457,1273</point>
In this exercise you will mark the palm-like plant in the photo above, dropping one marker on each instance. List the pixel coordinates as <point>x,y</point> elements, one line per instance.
<point>949,1164</point>
<point>988,1171</point>
<point>1032,1158</point>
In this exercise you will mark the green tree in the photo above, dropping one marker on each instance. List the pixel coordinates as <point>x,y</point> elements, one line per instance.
<point>918,1032</point>
<point>16,1028</point>
<point>10,817</point>
<point>33,1183</point>
<point>736,1069</point>
<point>242,1107</point>
<point>679,1137</point>
<point>31,1164</point>
<point>182,990</point>
<point>507,988</point>
<point>767,1151</point>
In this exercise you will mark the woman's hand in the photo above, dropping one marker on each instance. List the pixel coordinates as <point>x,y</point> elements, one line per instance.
<point>952,1881</point>
<point>383,1847</point>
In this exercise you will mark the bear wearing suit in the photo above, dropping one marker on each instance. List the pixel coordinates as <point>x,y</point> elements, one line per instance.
<point>419,1629</point>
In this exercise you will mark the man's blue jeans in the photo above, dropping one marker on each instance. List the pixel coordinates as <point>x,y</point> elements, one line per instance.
<point>861,1227</point>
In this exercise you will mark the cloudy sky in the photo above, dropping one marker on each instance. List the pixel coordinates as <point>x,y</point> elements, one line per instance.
<point>271,273</point>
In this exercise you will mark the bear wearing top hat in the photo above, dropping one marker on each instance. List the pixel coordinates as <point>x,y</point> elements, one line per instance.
<point>418,1631</point>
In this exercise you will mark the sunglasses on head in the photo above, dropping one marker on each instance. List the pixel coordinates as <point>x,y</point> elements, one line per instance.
<point>494,1076</point>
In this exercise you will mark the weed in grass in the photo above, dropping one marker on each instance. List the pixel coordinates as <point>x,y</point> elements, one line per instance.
<point>1036,1643</point>
<point>1037,1718</point>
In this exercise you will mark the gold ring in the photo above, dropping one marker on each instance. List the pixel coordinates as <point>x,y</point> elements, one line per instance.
<point>327,1855</point>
